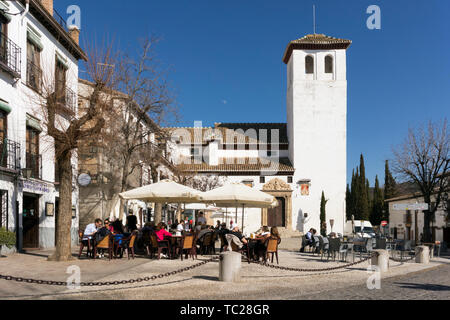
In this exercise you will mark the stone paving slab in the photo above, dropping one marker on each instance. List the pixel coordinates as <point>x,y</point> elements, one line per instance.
<point>257,282</point>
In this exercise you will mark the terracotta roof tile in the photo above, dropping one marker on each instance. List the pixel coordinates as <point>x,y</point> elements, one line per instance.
<point>315,42</point>
<point>235,165</point>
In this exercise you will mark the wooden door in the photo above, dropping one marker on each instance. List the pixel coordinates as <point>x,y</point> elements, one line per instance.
<point>276,217</point>
<point>30,222</point>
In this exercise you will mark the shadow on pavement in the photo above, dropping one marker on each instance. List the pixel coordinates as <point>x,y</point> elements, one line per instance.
<point>422,286</point>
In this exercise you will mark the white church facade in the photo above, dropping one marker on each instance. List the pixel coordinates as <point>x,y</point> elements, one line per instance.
<point>294,161</point>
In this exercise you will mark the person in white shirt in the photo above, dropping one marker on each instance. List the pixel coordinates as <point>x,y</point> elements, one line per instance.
<point>91,229</point>
<point>180,227</point>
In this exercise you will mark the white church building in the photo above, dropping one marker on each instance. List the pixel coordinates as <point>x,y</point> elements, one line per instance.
<point>294,161</point>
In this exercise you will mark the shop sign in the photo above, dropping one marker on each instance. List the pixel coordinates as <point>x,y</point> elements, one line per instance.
<point>34,186</point>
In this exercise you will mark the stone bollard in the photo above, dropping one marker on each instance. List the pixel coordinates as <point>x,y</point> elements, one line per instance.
<point>230,266</point>
<point>422,254</point>
<point>380,259</point>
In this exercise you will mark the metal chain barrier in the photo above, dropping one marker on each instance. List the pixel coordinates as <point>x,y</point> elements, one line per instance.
<point>405,260</point>
<point>313,270</point>
<point>108,283</point>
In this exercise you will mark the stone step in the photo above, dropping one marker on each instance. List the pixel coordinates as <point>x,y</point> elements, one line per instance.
<point>285,233</point>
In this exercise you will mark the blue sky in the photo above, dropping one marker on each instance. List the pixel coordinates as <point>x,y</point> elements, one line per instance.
<point>225,60</point>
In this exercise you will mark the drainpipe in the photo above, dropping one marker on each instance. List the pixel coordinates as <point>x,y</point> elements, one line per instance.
<point>27,9</point>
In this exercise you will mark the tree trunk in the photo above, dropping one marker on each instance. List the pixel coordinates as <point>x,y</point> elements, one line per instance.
<point>123,186</point>
<point>426,226</point>
<point>64,221</point>
<point>158,213</point>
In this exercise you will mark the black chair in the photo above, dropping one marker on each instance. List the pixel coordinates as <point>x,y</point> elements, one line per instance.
<point>325,246</point>
<point>316,245</point>
<point>305,244</point>
<point>335,246</point>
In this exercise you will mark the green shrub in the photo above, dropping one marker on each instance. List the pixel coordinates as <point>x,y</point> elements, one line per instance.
<point>7,238</point>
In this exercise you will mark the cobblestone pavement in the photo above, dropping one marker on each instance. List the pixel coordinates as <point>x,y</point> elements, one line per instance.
<point>431,284</point>
<point>257,282</point>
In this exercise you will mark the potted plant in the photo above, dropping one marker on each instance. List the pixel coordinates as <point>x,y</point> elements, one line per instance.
<point>7,238</point>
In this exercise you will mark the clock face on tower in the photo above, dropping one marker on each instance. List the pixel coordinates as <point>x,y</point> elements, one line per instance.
<point>84,179</point>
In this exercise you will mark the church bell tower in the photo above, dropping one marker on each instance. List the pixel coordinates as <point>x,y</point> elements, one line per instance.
<point>317,127</point>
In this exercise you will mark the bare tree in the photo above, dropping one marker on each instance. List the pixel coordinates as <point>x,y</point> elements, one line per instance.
<point>423,158</point>
<point>143,102</point>
<point>66,128</point>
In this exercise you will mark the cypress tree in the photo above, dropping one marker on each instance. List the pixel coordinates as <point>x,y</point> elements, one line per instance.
<point>348,203</point>
<point>389,189</point>
<point>362,202</point>
<point>356,187</point>
<point>323,217</point>
<point>376,215</point>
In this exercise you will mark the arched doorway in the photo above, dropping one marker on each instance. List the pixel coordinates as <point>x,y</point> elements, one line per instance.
<point>276,217</point>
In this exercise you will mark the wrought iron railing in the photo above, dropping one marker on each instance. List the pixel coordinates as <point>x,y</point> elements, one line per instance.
<point>66,97</point>
<point>34,164</point>
<point>10,54</point>
<point>34,76</point>
<point>10,154</point>
<point>61,21</point>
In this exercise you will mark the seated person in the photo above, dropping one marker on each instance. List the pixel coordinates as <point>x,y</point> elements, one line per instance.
<point>250,245</point>
<point>161,232</point>
<point>264,232</point>
<point>118,227</point>
<point>91,230</point>
<point>148,227</point>
<point>309,240</point>
<point>204,230</point>
<point>260,246</point>
<point>108,225</point>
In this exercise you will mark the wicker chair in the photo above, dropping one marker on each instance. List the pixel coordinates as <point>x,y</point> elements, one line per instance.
<point>188,246</point>
<point>107,244</point>
<point>130,246</point>
<point>205,243</point>
<point>159,245</point>
<point>272,248</point>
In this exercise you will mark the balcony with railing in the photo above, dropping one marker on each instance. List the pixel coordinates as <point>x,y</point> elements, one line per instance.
<point>10,54</point>
<point>66,98</point>
<point>34,165</point>
<point>34,76</point>
<point>10,155</point>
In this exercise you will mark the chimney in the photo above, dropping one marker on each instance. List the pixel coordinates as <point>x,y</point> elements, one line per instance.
<point>48,5</point>
<point>74,33</point>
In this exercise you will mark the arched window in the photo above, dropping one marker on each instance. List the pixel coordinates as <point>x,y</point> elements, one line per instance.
<point>309,65</point>
<point>328,64</point>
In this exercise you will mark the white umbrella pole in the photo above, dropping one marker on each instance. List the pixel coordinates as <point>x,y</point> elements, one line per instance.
<point>236,217</point>
<point>243,218</point>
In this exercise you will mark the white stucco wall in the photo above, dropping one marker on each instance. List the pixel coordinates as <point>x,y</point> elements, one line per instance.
<point>317,115</point>
<point>23,101</point>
